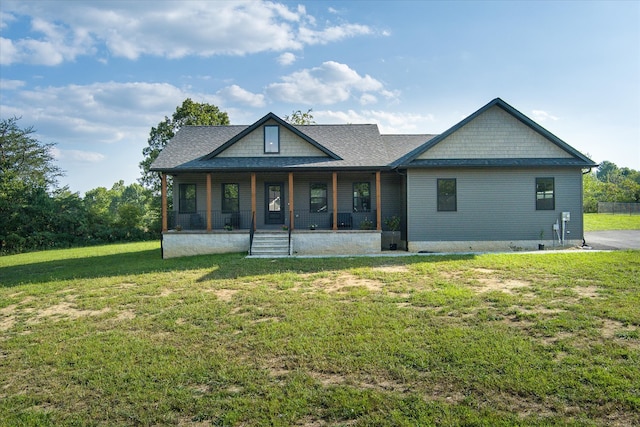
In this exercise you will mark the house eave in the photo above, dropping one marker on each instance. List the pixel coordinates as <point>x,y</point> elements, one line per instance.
<point>178,171</point>
<point>496,163</point>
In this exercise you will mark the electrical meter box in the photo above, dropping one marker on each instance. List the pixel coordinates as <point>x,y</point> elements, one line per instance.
<point>566,216</point>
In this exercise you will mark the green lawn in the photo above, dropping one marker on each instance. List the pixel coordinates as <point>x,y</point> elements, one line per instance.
<point>113,335</point>
<point>598,222</point>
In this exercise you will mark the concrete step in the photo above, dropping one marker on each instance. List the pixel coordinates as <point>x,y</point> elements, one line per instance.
<point>270,244</point>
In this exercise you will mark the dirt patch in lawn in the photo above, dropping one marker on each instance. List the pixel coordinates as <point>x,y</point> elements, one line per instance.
<point>587,291</point>
<point>485,280</point>
<point>65,310</point>
<point>125,315</point>
<point>225,295</point>
<point>7,319</point>
<point>344,281</point>
<point>392,269</point>
<point>508,286</point>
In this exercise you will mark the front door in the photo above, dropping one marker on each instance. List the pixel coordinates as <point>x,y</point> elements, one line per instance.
<point>274,202</point>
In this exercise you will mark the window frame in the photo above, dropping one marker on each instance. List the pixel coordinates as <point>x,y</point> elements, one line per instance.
<point>542,203</point>
<point>357,197</point>
<point>325,203</point>
<point>184,201</point>
<point>225,200</point>
<point>267,149</point>
<point>442,203</point>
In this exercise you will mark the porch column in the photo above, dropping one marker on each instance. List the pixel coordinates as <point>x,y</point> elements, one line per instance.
<point>253,201</point>
<point>291,220</point>
<point>335,201</point>
<point>378,203</point>
<point>209,201</point>
<point>163,191</point>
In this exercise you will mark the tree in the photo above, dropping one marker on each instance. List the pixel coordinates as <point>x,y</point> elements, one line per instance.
<point>300,118</point>
<point>188,114</point>
<point>608,172</point>
<point>25,159</point>
<point>610,184</point>
<point>27,173</point>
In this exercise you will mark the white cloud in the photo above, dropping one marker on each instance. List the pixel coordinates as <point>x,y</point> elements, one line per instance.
<point>541,116</point>
<point>286,58</point>
<point>329,83</point>
<point>55,44</point>
<point>8,52</point>
<point>235,93</point>
<point>388,122</point>
<point>367,99</point>
<point>63,30</point>
<point>5,19</point>
<point>98,113</point>
<point>77,155</point>
<point>332,34</point>
<point>6,84</point>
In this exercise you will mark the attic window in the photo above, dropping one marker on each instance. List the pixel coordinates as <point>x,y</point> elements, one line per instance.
<point>271,139</point>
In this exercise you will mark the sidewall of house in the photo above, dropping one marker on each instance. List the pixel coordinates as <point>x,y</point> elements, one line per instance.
<point>493,205</point>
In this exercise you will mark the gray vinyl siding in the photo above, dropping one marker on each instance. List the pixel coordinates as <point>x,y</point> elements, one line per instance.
<point>492,204</point>
<point>244,189</point>
<point>392,196</point>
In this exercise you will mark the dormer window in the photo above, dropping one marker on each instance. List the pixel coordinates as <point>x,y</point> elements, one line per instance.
<point>271,139</point>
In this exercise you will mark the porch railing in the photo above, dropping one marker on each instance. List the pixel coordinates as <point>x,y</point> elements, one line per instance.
<point>240,220</point>
<point>304,219</point>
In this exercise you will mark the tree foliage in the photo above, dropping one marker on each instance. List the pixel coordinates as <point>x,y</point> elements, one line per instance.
<point>188,114</point>
<point>299,118</point>
<point>42,220</point>
<point>24,159</point>
<point>610,184</point>
<point>34,214</point>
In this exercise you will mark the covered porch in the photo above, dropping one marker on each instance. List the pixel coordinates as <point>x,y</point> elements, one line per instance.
<point>318,212</point>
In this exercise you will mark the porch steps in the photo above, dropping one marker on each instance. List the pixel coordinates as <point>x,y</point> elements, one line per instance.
<point>270,244</point>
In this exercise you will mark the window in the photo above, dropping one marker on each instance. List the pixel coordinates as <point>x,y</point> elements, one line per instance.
<point>447,195</point>
<point>187,198</point>
<point>361,197</point>
<point>545,194</point>
<point>318,198</point>
<point>230,198</point>
<point>271,139</point>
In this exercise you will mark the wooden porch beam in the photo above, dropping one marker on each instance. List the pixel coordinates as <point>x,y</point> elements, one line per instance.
<point>209,201</point>
<point>163,191</point>
<point>291,220</point>
<point>335,201</point>
<point>253,200</point>
<point>378,203</point>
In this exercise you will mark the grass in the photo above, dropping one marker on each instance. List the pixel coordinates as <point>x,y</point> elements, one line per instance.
<point>599,222</point>
<point>114,335</point>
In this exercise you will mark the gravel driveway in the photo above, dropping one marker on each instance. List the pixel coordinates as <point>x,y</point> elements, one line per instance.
<point>613,239</point>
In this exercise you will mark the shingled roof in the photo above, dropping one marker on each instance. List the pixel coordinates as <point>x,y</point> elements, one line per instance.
<point>344,147</point>
<point>349,146</point>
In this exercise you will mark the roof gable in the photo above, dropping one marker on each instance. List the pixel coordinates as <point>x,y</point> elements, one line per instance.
<point>496,131</point>
<point>293,142</point>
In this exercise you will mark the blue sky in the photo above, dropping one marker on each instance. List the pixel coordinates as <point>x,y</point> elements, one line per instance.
<point>93,77</point>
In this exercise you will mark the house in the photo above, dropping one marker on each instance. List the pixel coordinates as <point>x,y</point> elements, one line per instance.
<point>495,181</point>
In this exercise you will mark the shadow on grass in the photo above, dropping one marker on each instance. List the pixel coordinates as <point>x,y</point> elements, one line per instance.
<point>225,266</point>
